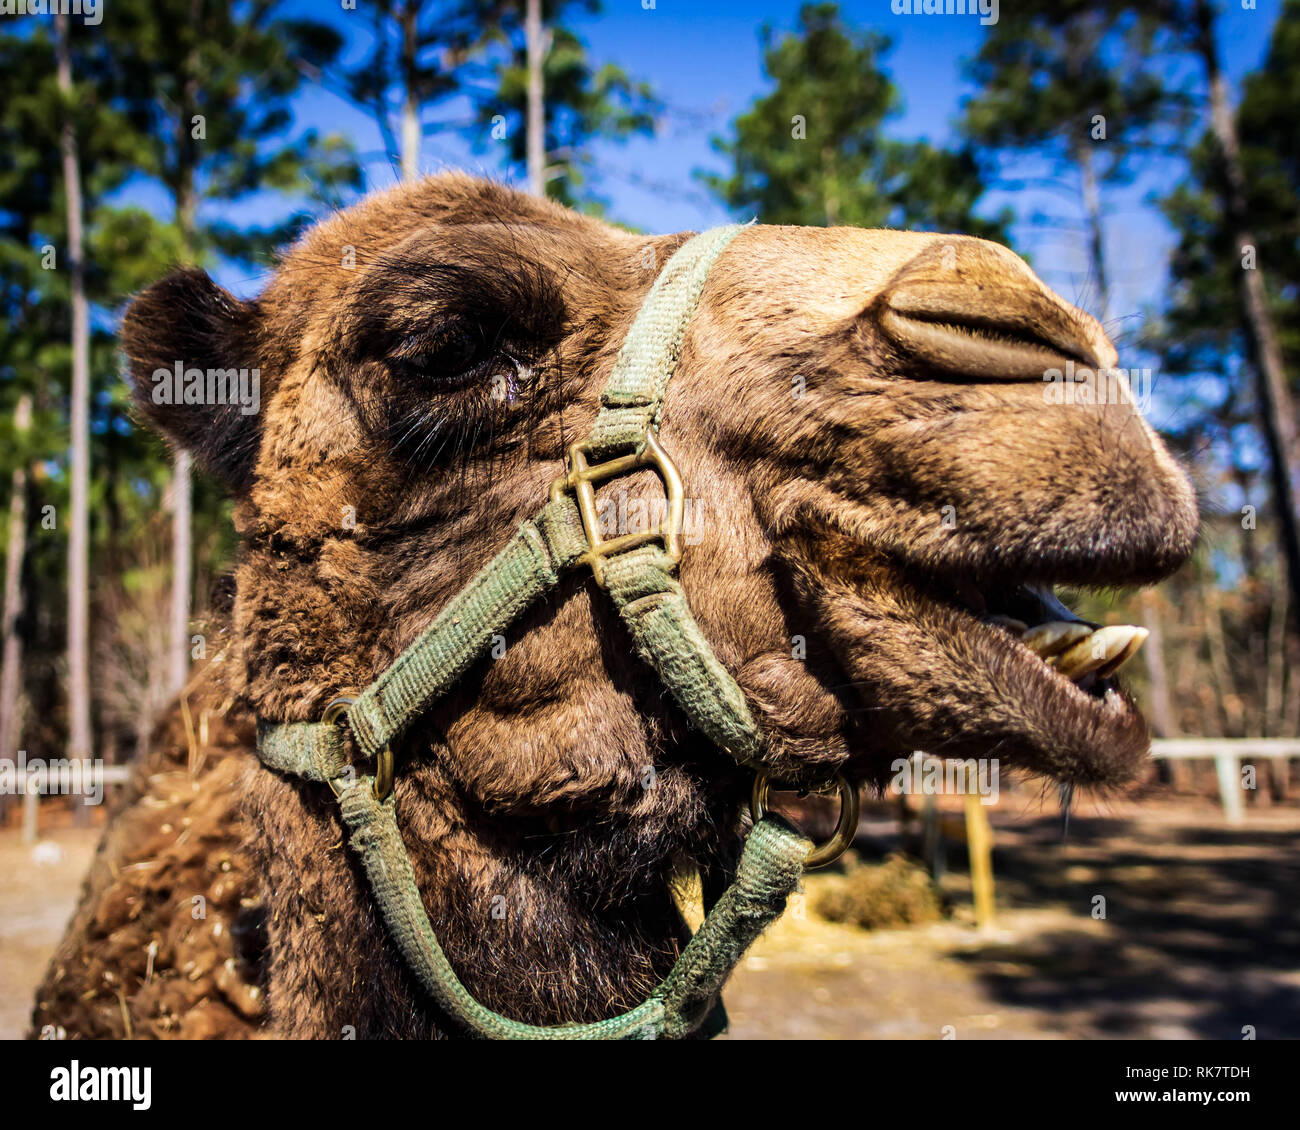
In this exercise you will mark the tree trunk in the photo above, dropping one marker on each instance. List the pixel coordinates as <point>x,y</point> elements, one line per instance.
<point>1096,229</point>
<point>1244,479</point>
<point>1291,701</point>
<point>79,734</point>
<point>11,641</point>
<point>1277,416</point>
<point>1161,708</point>
<point>1275,671</point>
<point>409,17</point>
<point>830,198</point>
<point>1225,685</point>
<point>1082,38</point>
<point>536,99</point>
<point>178,667</point>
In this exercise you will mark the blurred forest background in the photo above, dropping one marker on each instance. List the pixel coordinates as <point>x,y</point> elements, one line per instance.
<point>171,131</point>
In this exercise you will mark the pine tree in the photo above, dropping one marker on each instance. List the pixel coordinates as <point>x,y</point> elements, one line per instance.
<point>1062,83</point>
<point>814,149</point>
<point>578,102</point>
<point>46,118</point>
<point>417,61</point>
<point>1210,326</point>
<point>79,736</point>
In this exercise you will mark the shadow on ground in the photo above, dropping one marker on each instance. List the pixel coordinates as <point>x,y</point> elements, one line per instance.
<point>1152,920</point>
<point>1201,938</point>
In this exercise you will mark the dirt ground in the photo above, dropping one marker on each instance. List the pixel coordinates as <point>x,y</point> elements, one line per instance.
<point>1200,939</point>
<point>1201,934</point>
<point>38,891</point>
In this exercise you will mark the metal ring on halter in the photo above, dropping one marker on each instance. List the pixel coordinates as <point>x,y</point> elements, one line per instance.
<point>845,830</point>
<point>383,785</point>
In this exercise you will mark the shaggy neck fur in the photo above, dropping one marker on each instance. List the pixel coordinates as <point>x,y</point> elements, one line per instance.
<point>543,842</point>
<point>545,802</point>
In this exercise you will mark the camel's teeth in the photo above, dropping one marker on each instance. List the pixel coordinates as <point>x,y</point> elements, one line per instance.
<point>1103,651</point>
<point>1118,658</point>
<point>1054,637</point>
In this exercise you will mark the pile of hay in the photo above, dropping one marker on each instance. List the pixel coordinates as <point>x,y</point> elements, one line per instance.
<point>879,896</point>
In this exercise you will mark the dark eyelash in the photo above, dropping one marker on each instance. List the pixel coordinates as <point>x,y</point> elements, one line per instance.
<point>448,355</point>
<point>517,303</point>
<point>413,347</point>
<point>431,433</point>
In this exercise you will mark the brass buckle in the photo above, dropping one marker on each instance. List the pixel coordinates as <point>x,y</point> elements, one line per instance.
<point>832,849</point>
<point>582,477</point>
<point>383,784</point>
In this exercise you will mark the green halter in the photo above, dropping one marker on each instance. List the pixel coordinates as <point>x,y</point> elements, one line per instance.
<point>638,571</point>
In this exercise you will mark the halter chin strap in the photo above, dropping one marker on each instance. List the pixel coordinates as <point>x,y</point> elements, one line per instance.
<point>638,571</point>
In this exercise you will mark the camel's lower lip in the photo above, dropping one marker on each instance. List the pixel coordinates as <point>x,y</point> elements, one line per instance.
<point>1017,706</point>
<point>970,662</point>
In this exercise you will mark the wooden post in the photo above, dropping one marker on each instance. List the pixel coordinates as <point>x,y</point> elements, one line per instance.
<point>932,839</point>
<point>979,844</point>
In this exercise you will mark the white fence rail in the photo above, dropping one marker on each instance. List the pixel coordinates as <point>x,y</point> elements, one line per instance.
<point>31,783</point>
<point>1227,755</point>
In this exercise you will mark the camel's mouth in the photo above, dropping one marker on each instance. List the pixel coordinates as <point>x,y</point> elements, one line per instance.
<point>995,669</point>
<point>1070,650</point>
<point>1016,675</point>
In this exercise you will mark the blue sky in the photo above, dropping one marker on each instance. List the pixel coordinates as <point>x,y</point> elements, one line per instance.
<point>703,60</point>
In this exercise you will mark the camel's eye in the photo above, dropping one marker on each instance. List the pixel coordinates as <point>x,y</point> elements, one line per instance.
<point>450,354</point>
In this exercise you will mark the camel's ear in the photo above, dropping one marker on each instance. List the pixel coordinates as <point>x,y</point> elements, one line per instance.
<point>193,351</point>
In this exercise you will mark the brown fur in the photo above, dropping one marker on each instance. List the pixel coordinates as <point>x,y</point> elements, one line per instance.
<point>176,837</point>
<point>542,855</point>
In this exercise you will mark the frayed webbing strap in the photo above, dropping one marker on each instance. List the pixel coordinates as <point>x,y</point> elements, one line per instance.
<point>770,867</point>
<point>533,560</point>
<point>649,599</point>
<point>529,565</point>
<point>653,605</point>
<point>309,750</point>
<point>634,394</point>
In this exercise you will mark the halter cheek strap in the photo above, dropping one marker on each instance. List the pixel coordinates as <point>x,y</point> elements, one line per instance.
<point>638,570</point>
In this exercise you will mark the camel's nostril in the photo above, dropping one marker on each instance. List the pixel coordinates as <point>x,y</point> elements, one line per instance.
<point>992,334</point>
<point>975,310</point>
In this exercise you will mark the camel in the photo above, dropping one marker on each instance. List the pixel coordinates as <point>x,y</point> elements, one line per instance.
<point>882,501</point>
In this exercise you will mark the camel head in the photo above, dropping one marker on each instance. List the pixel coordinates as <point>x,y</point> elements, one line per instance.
<point>883,491</point>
